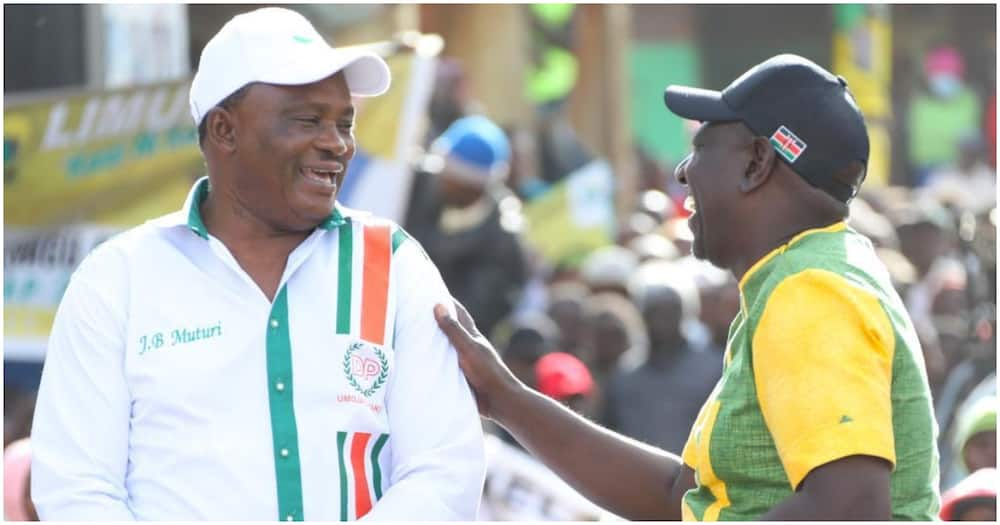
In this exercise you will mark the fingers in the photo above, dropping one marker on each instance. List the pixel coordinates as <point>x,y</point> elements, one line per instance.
<point>465,319</point>
<point>448,324</point>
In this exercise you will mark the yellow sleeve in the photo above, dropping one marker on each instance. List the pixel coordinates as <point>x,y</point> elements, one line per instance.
<point>822,361</point>
<point>688,454</point>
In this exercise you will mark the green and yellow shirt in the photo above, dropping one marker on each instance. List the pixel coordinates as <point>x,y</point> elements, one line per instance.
<point>822,363</point>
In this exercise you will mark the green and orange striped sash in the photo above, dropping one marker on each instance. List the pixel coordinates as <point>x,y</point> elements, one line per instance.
<point>377,247</point>
<point>361,480</point>
<point>360,472</point>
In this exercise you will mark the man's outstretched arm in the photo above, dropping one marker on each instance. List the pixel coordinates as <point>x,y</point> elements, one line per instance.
<point>631,479</point>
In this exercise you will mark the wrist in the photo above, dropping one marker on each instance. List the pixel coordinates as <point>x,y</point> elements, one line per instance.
<point>511,402</point>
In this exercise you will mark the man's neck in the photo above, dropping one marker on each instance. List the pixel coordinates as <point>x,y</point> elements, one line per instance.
<point>770,236</point>
<point>236,226</point>
<point>259,249</point>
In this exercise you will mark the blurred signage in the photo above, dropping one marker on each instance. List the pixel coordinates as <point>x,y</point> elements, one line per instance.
<point>37,268</point>
<point>144,43</point>
<point>70,158</point>
<point>78,168</point>
<point>862,54</point>
<point>574,217</point>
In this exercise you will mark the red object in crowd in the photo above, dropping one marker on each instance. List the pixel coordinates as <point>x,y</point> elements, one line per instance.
<point>980,484</point>
<point>561,375</point>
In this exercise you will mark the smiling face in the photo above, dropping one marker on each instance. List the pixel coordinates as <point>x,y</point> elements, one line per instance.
<point>290,148</point>
<point>712,174</point>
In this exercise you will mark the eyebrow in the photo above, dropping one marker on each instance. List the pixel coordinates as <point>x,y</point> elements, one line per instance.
<point>347,111</point>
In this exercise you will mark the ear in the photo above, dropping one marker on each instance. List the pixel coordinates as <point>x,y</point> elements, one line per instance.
<point>761,165</point>
<point>221,129</point>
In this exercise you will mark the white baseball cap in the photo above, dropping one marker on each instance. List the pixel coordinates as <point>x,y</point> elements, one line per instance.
<point>277,46</point>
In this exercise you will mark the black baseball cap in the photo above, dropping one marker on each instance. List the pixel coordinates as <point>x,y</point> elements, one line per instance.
<point>808,113</point>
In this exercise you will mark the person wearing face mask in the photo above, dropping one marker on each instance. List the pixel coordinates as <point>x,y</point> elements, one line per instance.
<point>941,116</point>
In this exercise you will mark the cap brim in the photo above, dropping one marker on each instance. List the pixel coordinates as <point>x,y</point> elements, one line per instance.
<point>367,75</point>
<point>703,105</point>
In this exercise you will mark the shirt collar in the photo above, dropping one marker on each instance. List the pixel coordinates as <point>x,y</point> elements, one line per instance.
<point>190,214</point>
<point>835,227</point>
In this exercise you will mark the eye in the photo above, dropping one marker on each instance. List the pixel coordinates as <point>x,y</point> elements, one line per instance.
<point>346,125</point>
<point>308,120</point>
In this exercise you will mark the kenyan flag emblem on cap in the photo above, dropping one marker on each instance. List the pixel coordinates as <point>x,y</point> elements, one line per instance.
<point>787,144</point>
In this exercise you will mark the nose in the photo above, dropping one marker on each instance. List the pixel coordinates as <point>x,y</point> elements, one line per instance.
<point>330,139</point>
<point>680,172</point>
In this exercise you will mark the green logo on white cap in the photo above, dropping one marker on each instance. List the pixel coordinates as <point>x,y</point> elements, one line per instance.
<point>302,39</point>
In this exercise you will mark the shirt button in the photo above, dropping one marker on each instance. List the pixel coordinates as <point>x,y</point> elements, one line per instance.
<point>279,386</point>
<point>284,452</point>
<point>274,323</point>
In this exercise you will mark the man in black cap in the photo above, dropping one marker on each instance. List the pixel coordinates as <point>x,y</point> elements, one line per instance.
<point>823,409</point>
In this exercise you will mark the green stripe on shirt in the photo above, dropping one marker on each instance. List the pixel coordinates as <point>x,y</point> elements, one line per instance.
<point>398,237</point>
<point>283,428</point>
<point>376,468</point>
<point>346,263</point>
<point>341,438</point>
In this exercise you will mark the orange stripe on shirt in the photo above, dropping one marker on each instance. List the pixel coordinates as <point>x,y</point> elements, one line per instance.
<point>375,287</point>
<point>362,499</point>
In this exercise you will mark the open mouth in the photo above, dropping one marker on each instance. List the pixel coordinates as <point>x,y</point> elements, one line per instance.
<point>690,204</point>
<point>326,177</point>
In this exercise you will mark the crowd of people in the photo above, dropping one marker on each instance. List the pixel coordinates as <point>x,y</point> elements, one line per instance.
<point>636,330</point>
<point>633,334</point>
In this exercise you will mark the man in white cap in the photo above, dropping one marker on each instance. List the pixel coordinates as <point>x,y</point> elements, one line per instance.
<point>263,353</point>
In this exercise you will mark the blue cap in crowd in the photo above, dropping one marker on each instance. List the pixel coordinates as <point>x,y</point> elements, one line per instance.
<point>474,149</point>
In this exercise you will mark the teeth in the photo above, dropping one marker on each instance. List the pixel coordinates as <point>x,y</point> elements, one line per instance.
<point>320,175</point>
<point>690,205</point>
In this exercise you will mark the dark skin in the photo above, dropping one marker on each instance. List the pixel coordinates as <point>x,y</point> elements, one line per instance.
<point>732,175</point>
<point>609,340</point>
<point>719,305</point>
<point>981,451</point>
<point>457,192</point>
<point>260,155</point>
<point>28,504</point>
<point>982,512</point>
<point>662,313</point>
<point>922,244</point>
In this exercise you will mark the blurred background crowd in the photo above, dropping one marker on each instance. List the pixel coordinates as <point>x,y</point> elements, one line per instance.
<point>527,148</point>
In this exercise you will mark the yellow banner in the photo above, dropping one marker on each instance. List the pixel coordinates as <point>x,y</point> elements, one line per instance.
<point>574,217</point>
<point>862,54</point>
<point>85,155</point>
<point>377,126</point>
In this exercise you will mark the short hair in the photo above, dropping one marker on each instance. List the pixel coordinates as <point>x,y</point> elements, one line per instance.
<point>613,306</point>
<point>226,103</point>
<point>653,277</point>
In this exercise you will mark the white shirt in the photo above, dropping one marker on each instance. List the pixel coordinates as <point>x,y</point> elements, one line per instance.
<point>174,389</point>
